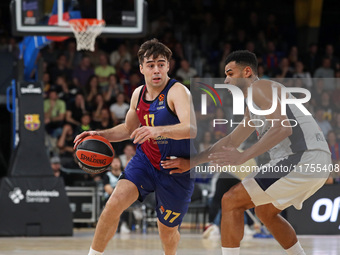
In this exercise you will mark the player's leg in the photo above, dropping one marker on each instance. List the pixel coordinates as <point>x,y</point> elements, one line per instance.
<point>234,203</point>
<point>169,237</point>
<point>122,197</point>
<point>282,231</point>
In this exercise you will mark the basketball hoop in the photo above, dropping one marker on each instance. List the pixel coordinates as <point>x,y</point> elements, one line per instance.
<point>86,31</point>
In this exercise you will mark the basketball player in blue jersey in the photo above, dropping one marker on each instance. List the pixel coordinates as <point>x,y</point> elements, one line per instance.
<point>297,147</point>
<point>160,121</point>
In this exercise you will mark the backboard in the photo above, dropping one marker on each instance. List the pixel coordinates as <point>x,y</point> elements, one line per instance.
<point>124,18</point>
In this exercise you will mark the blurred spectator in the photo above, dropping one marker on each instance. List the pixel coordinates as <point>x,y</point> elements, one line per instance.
<point>50,53</point>
<point>334,146</point>
<point>97,105</point>
<point>119,109</point>
<point>303,75</point>
<point>66,90</point>
<point>113,90</point>
<point>75,110</point>
<point>312,59</point>
<point>103,71</point>
<point>110,180</point>
<point>124,74</point>
<point>336,125</point>
<point>134,82</point>
<point>54,109</point>
<point>261,72</point>
<point>91,89</point>
<point>65,146</point>
<point>129,152</point>
<point>220,131</point>
<point>60,69</point>
<point>293,56</point>
<point>284,70</point>
<point>95,55</point>
<point>72,55</point>
<point>105,121</point>
<point>83,72</point>
<point>85,123</point>
<point>46,83</point>
<point>186,72</point>
<point>226,51</point>
<point>119,56</point>
<point>317,90</point>
<point>271,59</point>
<point>57,172</point>
<point>323,123</point>
<point>325,71</point>
<point>206,142</point>
<point>329,53</point>
<point>326,105</point>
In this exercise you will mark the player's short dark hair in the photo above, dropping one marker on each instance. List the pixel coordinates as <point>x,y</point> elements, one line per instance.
<point>153,48</point>
<point>244,58</point>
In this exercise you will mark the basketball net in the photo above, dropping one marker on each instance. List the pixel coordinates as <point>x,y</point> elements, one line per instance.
<point>86,32</point>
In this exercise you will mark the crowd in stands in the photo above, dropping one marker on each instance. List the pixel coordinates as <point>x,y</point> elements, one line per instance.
<point>92,90</point>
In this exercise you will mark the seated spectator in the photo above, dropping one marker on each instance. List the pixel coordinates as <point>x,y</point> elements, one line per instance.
<point>305,76</point>
<point>323,123</point>
<point>105,120</point>
<point>91,89</point>
<point>65,146</point>
<point>66,90</point>
<point>83,72</point>
<point>97,107</point>
<point>135,81</point>
<point>334,146</point>
<point>114,89</point>
<point>262,73</point>
<point>186,72</point>
<point>316,92</point>
<point>110,180</point>
<point>129,152</point>
<point>119,56</point>
<point>124,74</point>
<point>103,71</point>
<point>326,105</point>
<point>56,168</point>
<point>336,125</point>
<point>73,57</point>
<point>75,110</point>
<point>312,59</point>
<point>60,69</point>
<point>329,53</point>
<point>119,109</point>
<point>284,70</point>
<point>54,111</point>
<point>325,71</point>
<point>207,141</point>
<point>85,123</point>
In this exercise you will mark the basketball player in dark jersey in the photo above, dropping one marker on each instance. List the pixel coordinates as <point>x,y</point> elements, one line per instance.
<point>161,122</point>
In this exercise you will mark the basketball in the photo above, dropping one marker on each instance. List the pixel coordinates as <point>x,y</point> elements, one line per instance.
<point>94,154</point>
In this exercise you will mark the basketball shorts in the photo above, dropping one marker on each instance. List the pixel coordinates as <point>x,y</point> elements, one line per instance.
<point>173,193</point>
<point>290,180</point>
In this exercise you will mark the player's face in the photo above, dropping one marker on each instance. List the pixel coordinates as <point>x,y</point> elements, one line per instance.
<point>236,74</point>
<point>155,71</point>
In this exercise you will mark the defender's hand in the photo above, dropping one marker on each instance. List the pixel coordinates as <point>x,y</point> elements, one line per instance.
<point>81,136</point>
<point>228,156</point>
<point>144,133</point>
<point>182,165</point>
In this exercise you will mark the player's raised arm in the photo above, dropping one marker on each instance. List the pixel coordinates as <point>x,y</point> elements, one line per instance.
<point>122,131</point>
<point>262,97</point>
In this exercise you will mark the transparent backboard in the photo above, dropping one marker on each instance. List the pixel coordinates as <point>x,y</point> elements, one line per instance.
<point>49,17</point>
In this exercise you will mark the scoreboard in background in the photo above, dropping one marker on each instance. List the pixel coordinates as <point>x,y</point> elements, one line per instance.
<point>319,214</point>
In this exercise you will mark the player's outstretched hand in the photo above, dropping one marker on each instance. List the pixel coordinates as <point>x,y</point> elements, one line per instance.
<point>182,165</point>
<point>228,156</point>
<point>81,136</point>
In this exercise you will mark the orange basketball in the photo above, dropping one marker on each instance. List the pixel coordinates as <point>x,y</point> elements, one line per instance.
<point>94,154</point>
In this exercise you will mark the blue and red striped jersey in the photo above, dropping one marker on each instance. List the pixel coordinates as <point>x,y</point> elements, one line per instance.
<point>158,113</point>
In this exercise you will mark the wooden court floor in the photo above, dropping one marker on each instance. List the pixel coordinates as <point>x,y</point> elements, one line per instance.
<point>149,244</point>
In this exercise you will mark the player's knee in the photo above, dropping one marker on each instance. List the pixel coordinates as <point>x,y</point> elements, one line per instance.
<point>115,205</point>
<point>168,234</point>
<point>228,200</point>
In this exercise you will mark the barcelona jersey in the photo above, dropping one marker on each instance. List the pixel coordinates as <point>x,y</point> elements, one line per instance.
<point>158,113</point>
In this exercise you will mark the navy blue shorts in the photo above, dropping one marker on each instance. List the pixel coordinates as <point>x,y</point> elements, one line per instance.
<point>173,192</point>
